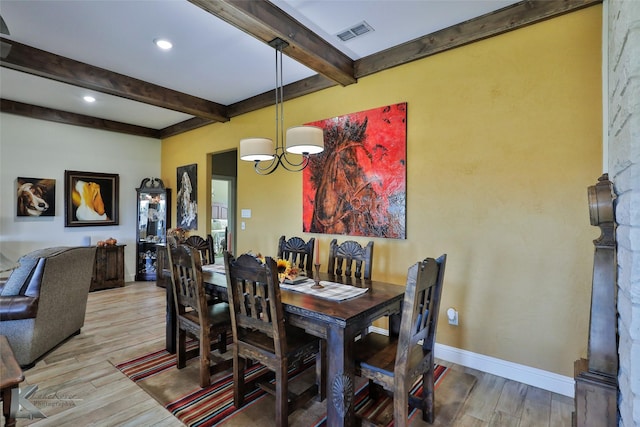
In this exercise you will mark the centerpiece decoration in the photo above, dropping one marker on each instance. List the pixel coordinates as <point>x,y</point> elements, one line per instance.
<point>178,233</point>
<point>285,270</point>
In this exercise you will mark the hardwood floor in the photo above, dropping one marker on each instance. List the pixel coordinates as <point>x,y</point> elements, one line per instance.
<point>79,386</point>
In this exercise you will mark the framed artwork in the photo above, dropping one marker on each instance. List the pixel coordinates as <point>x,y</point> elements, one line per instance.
<point>187,199</point>
<point>357,185</point>
<point>90,198</point>
<point>36,197</point>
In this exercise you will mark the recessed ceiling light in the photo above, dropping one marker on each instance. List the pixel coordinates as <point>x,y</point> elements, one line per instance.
<point>163,44</point>
<point>89,99</point>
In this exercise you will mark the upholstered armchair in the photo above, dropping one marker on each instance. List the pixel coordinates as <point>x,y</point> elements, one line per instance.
<point>44,300</point>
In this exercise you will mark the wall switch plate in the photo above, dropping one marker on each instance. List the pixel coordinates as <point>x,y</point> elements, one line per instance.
<point>245,213</point>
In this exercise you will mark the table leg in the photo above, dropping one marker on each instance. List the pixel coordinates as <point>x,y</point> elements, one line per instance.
<point>340,377</point>
<point>170,332</point>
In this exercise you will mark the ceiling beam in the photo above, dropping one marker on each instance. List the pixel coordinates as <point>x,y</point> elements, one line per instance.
<point>45,64</point>
<point>264,21</point>
<point>184,126</point>
<point>509,18</point>
<point>58,116</point>
<point>291,91</point>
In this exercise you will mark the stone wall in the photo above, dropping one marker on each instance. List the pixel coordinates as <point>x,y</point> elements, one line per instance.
<point>624,171</point>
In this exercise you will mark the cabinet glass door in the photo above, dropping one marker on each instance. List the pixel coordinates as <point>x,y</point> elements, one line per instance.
<point>154,201</point>
<point>152,214</point>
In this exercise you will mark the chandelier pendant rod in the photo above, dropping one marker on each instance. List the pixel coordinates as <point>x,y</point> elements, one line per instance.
<point>304,139</point>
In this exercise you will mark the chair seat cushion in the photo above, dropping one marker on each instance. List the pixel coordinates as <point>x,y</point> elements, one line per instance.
<point>218,315</point>
<point>298,341</point>
<point>377,353</point>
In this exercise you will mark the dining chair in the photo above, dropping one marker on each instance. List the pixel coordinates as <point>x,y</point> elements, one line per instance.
<point>395,362</point>
<point>342,258</point>
<point>208,323</point>
<point>296,251</point>
<point>204,246</point>
<point>261,333</point>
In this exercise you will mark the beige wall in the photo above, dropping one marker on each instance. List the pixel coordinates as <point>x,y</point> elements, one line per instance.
<point>504,137</point>
<point>53,148</point>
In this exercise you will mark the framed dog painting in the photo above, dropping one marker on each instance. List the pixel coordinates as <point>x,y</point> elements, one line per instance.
<point>36,197</point>
<point>90,198</point>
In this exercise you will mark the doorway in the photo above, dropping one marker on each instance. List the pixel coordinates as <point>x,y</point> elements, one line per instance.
<point>223,201</point>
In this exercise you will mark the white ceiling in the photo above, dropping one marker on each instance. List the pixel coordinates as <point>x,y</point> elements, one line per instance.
<point>210,58</point>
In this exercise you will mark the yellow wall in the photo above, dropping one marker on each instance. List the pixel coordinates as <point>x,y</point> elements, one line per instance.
<point>504,137</point>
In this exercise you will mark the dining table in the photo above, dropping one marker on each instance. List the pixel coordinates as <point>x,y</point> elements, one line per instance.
<point>339,322</point>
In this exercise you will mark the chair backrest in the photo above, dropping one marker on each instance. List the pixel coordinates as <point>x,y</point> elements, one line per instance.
<point>254,300</point>
<point>186,278</point>
<point>299,253</point>
<point>343,256</point>
<point>420,310</point>
<point>204,247</point>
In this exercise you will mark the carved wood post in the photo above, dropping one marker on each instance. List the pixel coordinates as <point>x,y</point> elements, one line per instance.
<point>597,377</point>
<point>603,324</point>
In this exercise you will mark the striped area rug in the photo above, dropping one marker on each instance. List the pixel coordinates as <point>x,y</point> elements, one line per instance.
<point>213,405</point>
<point>151,364</point>
<point>380,410</point>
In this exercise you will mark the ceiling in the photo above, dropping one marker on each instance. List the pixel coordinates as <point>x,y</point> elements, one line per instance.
<point>221,65</point>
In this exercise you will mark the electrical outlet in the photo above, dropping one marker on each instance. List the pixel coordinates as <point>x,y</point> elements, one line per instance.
<point>452,316</point>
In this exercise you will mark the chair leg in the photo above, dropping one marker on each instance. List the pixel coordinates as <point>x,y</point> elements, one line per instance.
<point>181,351</point>
<point>401,405</point>
<point>428,413</point>
<point>222,342</point>
<point>205,360</point>
<point>374,390</point>
<point>238,379</point>
<point>282,395</point>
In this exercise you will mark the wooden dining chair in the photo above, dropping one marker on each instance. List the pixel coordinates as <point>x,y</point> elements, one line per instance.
<point>343,257</point>
<point>208,323</point>
<point>394,362</point>
<point>204,246</point>
<point>261,333</point>
<point>298,252</point>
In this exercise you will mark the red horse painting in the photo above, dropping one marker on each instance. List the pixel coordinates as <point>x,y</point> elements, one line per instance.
<point>357,185</point>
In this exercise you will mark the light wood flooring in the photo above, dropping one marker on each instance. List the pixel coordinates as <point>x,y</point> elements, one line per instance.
<point>79,386</point>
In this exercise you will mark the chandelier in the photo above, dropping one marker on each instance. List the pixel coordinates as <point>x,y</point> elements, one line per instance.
<point>300,140</point>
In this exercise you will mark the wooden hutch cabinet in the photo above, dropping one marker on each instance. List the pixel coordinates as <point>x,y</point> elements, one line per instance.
<point>108,270</point>
<point>154,218</point>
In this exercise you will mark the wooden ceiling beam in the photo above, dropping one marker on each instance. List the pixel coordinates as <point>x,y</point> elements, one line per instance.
<point>509,18</point>
<point>59,116</point>
<point>264,21</point>
<point>45,64</point>
<point>293,90</point>
<point>262,14</point>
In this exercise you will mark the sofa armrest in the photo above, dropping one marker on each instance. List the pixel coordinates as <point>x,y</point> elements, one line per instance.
<point>18,307</point>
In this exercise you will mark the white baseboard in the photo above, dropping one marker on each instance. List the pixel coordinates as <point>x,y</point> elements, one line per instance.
<point>524,374</point>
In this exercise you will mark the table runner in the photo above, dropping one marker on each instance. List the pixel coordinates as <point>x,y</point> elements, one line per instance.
<point>331,290</point>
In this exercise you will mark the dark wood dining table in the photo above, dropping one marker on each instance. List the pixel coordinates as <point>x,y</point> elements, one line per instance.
<point>339,323</point>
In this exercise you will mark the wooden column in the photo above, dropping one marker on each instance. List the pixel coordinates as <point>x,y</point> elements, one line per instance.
<point>596,377</point>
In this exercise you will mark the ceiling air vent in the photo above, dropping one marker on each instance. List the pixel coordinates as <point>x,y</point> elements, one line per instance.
<point>355,31</point>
